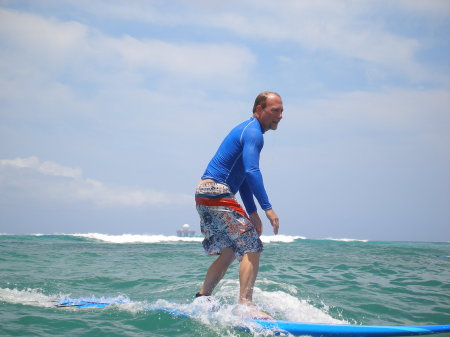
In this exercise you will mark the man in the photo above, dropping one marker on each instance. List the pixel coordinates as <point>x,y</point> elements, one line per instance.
<point>229,232</point>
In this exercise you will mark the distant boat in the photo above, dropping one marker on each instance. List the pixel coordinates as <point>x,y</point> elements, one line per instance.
<point>185,231</point>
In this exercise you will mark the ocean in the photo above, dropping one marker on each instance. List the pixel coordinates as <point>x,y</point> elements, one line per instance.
<point>320,281</point>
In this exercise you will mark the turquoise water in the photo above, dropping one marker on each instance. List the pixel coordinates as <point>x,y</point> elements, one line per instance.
<point>326,281</point>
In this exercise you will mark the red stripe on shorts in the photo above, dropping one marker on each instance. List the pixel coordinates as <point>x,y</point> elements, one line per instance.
<point>225,202</point>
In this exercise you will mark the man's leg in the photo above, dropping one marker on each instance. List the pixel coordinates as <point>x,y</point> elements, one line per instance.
<point>248,271</point>
<point>216,271</point>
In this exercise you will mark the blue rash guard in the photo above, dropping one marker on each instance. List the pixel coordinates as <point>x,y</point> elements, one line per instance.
<point>236,164</point>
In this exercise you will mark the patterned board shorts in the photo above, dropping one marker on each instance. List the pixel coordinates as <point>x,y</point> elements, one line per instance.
<point>224,222</point>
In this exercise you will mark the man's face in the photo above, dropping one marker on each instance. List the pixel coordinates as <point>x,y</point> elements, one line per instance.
<point>271,115</point>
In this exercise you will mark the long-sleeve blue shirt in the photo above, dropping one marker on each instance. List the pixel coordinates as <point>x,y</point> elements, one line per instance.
<point>236,164</point>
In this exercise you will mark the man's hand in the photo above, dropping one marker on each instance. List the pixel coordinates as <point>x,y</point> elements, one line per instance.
<point>256,221</point>
<point>274,220</point>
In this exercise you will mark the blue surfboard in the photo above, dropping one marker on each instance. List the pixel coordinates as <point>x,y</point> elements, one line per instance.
<point>279,327</point>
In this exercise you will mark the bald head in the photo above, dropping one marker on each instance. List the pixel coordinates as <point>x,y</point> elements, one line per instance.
<point>262,98</point>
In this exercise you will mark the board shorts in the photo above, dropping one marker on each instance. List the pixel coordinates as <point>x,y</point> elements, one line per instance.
<point>224,222</point>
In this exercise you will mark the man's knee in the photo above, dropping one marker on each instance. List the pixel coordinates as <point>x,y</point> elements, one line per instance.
<point>251,256</point>
<point>227,255</point>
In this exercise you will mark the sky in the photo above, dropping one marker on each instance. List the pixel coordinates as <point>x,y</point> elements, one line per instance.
<point>111,110</point>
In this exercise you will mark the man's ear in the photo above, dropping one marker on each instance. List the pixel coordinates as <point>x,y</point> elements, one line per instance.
<point>258,110</point>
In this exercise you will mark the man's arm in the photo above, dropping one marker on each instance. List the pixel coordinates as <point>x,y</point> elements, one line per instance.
<point>249,203</point>
<point>252,146</point>
<point>271,215</point>
<point>247,197</point>
<point>256,221</point>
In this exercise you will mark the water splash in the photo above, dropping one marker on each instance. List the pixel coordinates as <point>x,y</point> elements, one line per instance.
<point>33,297</point>
<point>279,304</point>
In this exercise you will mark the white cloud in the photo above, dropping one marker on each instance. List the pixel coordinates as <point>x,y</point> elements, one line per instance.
<point>93,86</point>
<point>49,42</point>
<point>67,77</point>
<point>392,108</point>
<point>53,182</point>
<point>48,47</point>
<point>46,167</point>
<point>440,8</point>
<point>413,119</point>
<point>353,29</point>
<point>192,60</point>
<point>340,27</point>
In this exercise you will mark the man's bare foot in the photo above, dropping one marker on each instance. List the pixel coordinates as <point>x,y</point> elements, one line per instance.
<point>208,303</point>
<point>250,312</point>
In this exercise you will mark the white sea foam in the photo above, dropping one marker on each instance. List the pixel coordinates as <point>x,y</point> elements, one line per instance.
<point>346,240</point>
<point>152,238</point>
<point>280,238</point>
<point>280,304</point>
<point>291,308</point>
<point>36,298</point>
<point>137,238</point>
<point>222,314</point>
<point>29,296</point>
